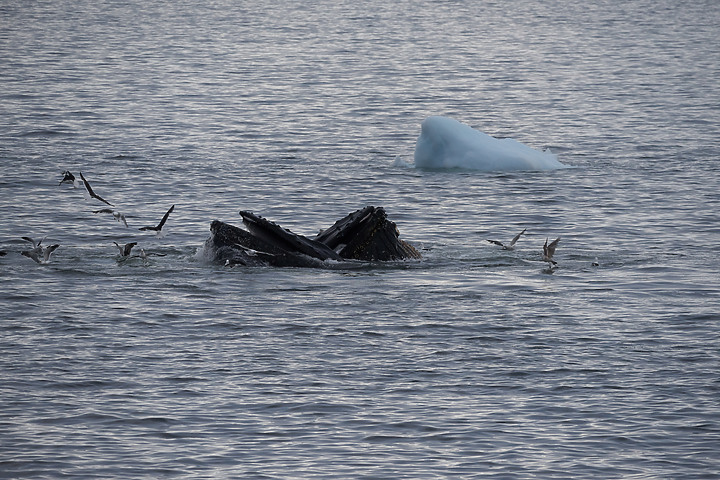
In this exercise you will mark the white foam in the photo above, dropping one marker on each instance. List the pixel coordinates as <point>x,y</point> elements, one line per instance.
<point>399,162</point>
<point>446,143</point>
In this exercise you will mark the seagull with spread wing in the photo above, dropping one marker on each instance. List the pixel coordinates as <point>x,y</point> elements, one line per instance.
<point>511,245</point>
<point>117,215</point>
<point>158,229</point>
<point>91,193</point>
<point>40,254</point>
<point>69,178</point>
<point>125,249</point>
<point>36,245</point>
<point>549,251</point>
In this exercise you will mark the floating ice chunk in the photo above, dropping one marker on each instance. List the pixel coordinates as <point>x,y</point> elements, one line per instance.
<point>447,143</point>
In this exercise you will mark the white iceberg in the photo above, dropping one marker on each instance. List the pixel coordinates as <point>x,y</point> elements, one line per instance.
<point>447,143</point>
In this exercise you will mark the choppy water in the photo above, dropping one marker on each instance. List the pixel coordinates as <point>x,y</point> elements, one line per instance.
<point>470,363</point>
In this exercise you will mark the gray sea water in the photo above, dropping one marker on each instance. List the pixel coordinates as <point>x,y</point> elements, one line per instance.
<point>471,363</point>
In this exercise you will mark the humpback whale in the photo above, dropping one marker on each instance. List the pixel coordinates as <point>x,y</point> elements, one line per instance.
<point>365,235</point>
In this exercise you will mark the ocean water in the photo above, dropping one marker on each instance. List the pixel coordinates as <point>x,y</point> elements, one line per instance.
<point>471,363</point>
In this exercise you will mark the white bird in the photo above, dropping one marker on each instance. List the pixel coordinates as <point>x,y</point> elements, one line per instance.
<point>91,193</point>
<point>117,215</point>
<point>144,255</point>
<point>549,251</point>
<point>36,245</point>
<point>158,228</point>
<point>69,178</point>
<point>125,249</point>
<point>39,254</point>
<point>511,245</point>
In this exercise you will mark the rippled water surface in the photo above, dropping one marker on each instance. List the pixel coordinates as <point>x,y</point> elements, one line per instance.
<point>473,362</point>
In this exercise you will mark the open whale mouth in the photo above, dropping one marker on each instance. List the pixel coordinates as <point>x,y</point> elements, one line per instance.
<point>365,234</point>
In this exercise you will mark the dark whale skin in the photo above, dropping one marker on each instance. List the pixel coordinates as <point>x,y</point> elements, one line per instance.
<point>365,235</point>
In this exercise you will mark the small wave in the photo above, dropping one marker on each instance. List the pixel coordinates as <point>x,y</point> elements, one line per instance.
<point>45,133</point>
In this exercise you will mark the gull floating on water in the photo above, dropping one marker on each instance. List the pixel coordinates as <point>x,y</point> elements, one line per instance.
<point>145,256</point>
<point>69,178</point>
<point>125,249</point>
<point>158,228</point>
<point>91,193</point>
<point>511,245</point>
<point>118,216</point>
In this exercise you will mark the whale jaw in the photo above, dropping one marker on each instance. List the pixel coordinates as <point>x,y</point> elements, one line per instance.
<point>365,235</point>
<point>368,235</point>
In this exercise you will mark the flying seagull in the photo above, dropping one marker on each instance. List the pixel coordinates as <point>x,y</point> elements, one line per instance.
<point>511,246</point>
<point>125,249</point>
<point>39,254</point>
<point>549,251</point>
<point>69,178</point>
<point>91,193</point>
<point>118,216</point>
<point>159,226</point>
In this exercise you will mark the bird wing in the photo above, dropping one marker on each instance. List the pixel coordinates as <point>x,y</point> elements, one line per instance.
<point>102,199</point>
<point>87,185</point>
<point>67,176</point>
<point>31,254</point>
<point>103,210</point>
<point>122,217</point>
<point>49,250</point>
<point>551,248</point>
<point>128,248</point>
<point>515,239</point>
<point>496,242</point>
<point>165,217</point>
<point>28,239</point>
<point>92,193</point>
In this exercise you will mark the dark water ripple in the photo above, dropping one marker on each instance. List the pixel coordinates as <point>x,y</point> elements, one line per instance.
<point>470,363</point>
